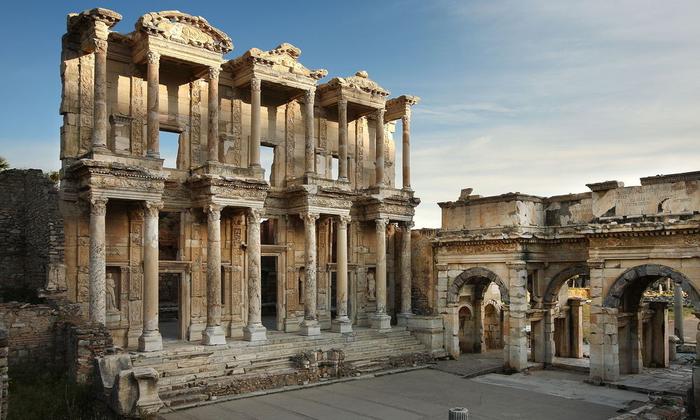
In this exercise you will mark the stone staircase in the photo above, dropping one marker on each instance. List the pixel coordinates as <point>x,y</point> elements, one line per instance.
<point>192,374</point>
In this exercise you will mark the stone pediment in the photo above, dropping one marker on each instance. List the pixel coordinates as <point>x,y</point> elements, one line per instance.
<point>285,57</point>
<point>360,82</point>
<point>185,29</point>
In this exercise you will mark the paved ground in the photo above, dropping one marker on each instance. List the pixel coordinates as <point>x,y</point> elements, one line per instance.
<point>425,394</point>
<point>473,364</point>
<point>674,380</point>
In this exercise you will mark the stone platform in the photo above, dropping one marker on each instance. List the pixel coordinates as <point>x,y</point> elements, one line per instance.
<point>193,374</point>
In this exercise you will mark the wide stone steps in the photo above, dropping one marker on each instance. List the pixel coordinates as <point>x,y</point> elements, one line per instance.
<point>188,372</point>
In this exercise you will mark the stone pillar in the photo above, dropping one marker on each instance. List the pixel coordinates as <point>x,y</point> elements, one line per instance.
<point>342,323</point>
<point>343,140</point>
<point>310,324</point>
<point>309,144</point>
<point>678,311</point>
<point>605,360</point>
<point>97,268</point>
<point>213,334</point>
<point>213,135</point>
<point>406,148</point>
<point>537,340</point>
<point>660,352</point>
<point>153,119</point>
<point>406,280</point>
<point>380,320</point>
<point>99,127</point>
<point>254,331</point>
<point>505,327</point>
<point>254,122</point>
<point>576,336</point>
<point>549,346</point>
<point>379,149</point>
<point>478,344</point>
<point>150,339</point>
<point>517,337</point>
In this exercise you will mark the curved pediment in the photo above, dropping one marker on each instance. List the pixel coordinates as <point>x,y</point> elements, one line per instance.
<point>285,56</point>
<point>360,81</point>
<point>186,29</point>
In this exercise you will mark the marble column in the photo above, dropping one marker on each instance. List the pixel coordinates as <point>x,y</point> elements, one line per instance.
<point>254,122</point>
<point>213,107</point>
<point>379,148</point>
<point>309,143</point>
<point>343,140</point>
<point>310,324</point>
<point>406,276</point>
<point>254,330</point>
<point>99,127</point>
<point>97,268</point>
<point>150,339</point>
<point>153,118</point>
<point>678,312</point>
<point>213,334</point>
<point>406,148</point>
<point>342,323</point>
<point>517,337</point>
<point>380,320</point>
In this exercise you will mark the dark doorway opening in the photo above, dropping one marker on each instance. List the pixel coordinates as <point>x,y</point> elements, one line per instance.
<point>169,305</point>
<point>268,268</point>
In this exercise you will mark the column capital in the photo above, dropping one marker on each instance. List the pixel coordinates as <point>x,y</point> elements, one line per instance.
<point>253,215</point>
<point>309,94</point>
<point>379,115</point>
<point>100,45</point>
<point>408,225</point>
<point>344,220</point>
<point>152,208</point>
<point>343,103</point>
<point>153,57</point>
<point>309,217</point>
<point>255,84</point>
<point>381,224</point>
<point>213,212</point>
<point>98,205</point>
<point>213,73</point>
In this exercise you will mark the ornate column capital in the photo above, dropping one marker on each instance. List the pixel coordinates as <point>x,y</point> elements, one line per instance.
<point>213,212</point>
<point>309,217</point>
<point>98,205</point>
<point>213,73</point>
<point>310,94</point>
<point>152,208</point>
<point>343,104</point>
<point>344,220</point>
<point>100,45</point>
<point>255,84</point>
<point>254,215</point>
<point>379,115</point>
<point>153,57</point>
<point>407,226</point>
<point>381,224</point>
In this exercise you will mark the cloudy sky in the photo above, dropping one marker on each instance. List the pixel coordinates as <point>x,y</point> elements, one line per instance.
<point>539,96</point>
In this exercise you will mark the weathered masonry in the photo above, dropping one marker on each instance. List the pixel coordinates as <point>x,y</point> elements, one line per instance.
<point>502,266</point>
<point>174,224</point>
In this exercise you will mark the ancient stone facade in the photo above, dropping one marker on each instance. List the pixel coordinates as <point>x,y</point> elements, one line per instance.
<point>320,239</point>
<point>614,241</point>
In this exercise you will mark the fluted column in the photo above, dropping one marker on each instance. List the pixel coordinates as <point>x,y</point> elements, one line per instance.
<point>213,134</point>
<point>150,339</point>
<point>342,323</point>
<point>153,119</point>
<point>405,273</point>
<point>379,148</point>
<point>99,127</point>
<point>254,330</point>
<point>380,320</point>
<point>97,268</point>
<point>309,143</point>
<point>254,122</point>
<point>213,334</point>
<point>310,324</point>
<point>406,148</point>
<point>343,140</point>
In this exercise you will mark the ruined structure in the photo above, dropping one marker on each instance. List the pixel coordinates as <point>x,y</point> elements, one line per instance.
<point>613,241</point>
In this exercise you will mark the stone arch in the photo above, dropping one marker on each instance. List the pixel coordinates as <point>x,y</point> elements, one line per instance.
<point>552,292</point>
<point>647,273</point>
<point>478,276</point>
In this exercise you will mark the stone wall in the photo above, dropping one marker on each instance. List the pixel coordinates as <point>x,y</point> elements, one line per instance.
<point>30,332</point>
<point>3,375</point>
<point>31,231</point>
<point>422,271</point>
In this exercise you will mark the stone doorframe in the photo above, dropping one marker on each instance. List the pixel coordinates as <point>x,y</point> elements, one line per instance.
<point>279,251</point>
<point>185,329</point>
<point>605,357</point>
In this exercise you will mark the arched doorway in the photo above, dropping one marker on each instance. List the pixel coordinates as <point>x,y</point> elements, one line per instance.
<point>639,326</point>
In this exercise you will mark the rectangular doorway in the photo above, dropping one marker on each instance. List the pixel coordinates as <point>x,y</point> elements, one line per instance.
<point>268,295</point>
<point>169,316</point>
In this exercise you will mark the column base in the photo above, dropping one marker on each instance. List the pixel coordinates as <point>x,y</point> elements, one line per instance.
<point>153,155</point>
<point>255,332</point>
<point>150,341</point>
<point>341,325</point>
<point>213,336</point>
<point>310,327</point>
<point>402,319</point>
<point>381,322</point>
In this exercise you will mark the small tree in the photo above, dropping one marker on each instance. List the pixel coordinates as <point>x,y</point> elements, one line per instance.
<point>4,164</point>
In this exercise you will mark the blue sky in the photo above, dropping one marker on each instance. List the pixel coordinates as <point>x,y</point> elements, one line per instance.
<point>537,96</point>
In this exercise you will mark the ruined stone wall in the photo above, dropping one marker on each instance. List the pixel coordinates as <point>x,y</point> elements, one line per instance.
<point>31,231</point>
<point>422,271</point>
